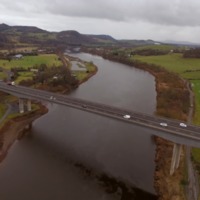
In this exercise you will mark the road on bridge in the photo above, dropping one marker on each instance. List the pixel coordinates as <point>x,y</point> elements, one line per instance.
<point>170,126</point>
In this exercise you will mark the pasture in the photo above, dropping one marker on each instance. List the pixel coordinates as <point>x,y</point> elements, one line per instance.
<point>188,68</point>
<point>30,61</point>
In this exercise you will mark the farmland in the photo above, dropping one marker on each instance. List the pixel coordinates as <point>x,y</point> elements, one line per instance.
<point>30,61</point>
<point>187,68</point>
<point>173,62</point>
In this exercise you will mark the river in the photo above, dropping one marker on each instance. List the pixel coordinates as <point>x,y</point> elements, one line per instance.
<point>67,149</point>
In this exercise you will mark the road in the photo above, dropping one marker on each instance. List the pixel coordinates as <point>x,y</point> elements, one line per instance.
<point>150,121</point>
<point>192,189</point>
<point>8,111</point>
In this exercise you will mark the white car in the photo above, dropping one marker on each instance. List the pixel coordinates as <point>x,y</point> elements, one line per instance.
<point>127,116</point>
<point>183,125</point>
<point>163,124</point>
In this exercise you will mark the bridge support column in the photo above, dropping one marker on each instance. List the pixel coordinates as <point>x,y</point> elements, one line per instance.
<point>29,105</point>
<point>175,158</point>
<point>21,105</point>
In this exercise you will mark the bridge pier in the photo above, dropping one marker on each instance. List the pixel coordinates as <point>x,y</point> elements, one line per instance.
<point>175,158</point>
<point>21,105</point>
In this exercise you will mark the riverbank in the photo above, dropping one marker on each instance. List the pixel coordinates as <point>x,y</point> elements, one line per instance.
<point>15,128</point>
<point>160,87</point>
<point>173,102</point>
<point>84,70</point>
<point>168,186</point>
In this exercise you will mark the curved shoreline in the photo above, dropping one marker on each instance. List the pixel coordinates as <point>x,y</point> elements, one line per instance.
<point>166,186</point>
<point>15,128</point>
<point>160,176</point>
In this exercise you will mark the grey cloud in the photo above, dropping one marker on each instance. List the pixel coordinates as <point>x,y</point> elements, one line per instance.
<point>176,12</point>
<point>142,19</point>
<point>87,8</point>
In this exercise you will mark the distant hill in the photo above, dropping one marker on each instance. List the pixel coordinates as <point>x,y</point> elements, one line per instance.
<point>26,35</point>
<point>74,37</point>
<point>4,28</point>
<point>137,42</point>
<point>180,43</point>
<point>20,36</point>
<point>103,38</point>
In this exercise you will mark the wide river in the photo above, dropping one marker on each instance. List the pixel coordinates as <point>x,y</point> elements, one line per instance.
<point>68,150</point>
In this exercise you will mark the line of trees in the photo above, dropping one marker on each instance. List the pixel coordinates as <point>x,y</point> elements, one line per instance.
<point>192,53</point>
<point>172,94</point>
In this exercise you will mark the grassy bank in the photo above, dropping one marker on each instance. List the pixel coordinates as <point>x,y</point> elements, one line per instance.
<point>187,68</point>
<point>90,68</point>
<point>26,63</point>
<point>30,61</point>
<point>47,59</point>
<point>3,108</point>
<point>11,100</point>
<point>81,70</point>
<point>175,62</point>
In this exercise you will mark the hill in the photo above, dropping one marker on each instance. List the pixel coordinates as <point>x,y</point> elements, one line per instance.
<point>4,28</point>
<point>137,42</point>
<point>22,36</point>
<point>181,43</point>
<point>30,35</point>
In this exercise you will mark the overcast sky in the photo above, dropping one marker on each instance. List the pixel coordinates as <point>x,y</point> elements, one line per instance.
<point>123,19</point>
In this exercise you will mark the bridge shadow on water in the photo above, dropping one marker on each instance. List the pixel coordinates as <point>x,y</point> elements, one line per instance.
<point>30,151</point>
<point>111,156</point>
<point>81,150</point>
<point>117,187</point>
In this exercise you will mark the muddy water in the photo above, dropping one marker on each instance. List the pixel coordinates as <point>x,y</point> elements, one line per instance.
<point>68,149</point>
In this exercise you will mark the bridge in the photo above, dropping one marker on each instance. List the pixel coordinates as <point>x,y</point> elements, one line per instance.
<point>167,128</point>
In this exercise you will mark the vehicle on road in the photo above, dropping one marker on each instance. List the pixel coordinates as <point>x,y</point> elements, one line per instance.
<point>126,116</point>
<point>182,124</point>
<point>163,124</point>
<point>11,83</point>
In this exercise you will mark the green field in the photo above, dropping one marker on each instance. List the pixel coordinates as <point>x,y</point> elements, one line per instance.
<point>176,63</point>
<point>173,62</point>
<point>24,76</point>
<point>90,66</point>
<point>20,49</point>
<point>81,75</point>
<point>196,90</point>
<point>3,108</point>
<point>2,75</point>
<point>30,61</point>
<point>156,47</point>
